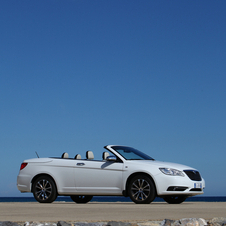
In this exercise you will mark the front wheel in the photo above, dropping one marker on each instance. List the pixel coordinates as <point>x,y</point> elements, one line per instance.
<point>81,198</point>
<point>175,199</point>
<point>141,190</point>
<point>44,189</point>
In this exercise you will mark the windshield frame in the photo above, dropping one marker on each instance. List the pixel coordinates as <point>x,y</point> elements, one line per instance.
<point>140,155</point>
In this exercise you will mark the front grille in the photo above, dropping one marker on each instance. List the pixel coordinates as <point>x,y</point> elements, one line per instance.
<point>193,175</point>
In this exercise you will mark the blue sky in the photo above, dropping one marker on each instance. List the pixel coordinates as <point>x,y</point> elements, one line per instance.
<point>78,75</point>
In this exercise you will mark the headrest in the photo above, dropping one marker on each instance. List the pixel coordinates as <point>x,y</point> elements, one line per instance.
<point>65,155</point>
<point>105,155</point>
<point>89,155</point>
<point>78,156</point>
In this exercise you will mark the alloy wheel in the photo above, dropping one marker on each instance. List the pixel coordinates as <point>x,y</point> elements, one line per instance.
<point>44,189</point>
<point>141,190</point>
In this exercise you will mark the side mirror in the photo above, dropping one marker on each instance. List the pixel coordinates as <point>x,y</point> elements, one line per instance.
<point>111,158</point>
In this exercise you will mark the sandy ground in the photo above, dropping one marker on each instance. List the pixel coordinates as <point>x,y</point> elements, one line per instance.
<point>96,212</point>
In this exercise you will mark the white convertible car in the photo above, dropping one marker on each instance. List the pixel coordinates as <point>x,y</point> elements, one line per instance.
<point>124,171</point>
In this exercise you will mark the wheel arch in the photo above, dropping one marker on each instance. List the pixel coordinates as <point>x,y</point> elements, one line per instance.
<point>40,175</point>
<point>125,192</point>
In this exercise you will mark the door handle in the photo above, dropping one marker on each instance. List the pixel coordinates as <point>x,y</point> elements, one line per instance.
<point>80,164</point>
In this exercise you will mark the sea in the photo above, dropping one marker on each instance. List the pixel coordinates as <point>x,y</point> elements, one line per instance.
<point>115,199</point>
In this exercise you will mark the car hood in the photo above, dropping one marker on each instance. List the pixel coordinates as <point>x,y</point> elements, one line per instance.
<point>162,164</point>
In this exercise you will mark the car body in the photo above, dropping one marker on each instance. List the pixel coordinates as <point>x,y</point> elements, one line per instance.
<point>123,171</point>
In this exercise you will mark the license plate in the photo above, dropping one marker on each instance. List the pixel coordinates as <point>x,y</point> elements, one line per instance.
<point>197,185</point>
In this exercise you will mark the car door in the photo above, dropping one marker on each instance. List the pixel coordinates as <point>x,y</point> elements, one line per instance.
<point>98,177</point>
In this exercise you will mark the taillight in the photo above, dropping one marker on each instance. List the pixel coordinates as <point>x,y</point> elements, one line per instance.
<point>23,165</point>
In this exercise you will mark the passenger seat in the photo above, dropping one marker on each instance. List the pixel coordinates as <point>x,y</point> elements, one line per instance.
<point>105,155</point>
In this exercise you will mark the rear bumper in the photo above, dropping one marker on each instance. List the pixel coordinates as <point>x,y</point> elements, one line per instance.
<point>24,183</point>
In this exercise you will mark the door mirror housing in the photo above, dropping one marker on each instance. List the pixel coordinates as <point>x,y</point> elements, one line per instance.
<point>111,158</point>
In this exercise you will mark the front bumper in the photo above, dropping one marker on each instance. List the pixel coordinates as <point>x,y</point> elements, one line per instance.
<point>178,185</point>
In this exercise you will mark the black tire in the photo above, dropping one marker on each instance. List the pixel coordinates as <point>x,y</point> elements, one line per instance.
<point>175,199</point>
<point>44,189</point>
<point>141,190</point>
<point>81,198</point>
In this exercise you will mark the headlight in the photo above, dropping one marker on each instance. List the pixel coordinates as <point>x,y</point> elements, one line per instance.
<point>172,172</point>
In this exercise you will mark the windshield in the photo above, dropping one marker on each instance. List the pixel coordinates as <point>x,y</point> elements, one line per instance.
<point>131,153</point>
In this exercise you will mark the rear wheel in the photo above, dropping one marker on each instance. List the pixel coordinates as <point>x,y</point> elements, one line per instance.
<point>175,199</point>
<point>141,190</point>
<point>44,189</point>
<point>81,198</point>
